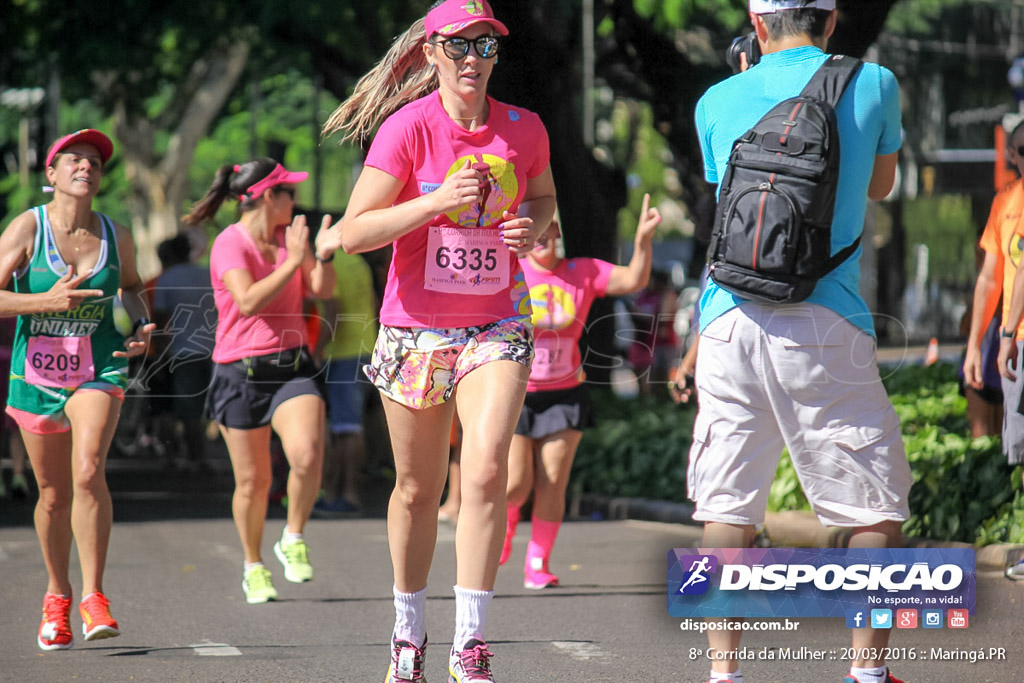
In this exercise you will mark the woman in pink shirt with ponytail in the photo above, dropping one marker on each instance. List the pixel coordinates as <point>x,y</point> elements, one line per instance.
<point>460,184</point>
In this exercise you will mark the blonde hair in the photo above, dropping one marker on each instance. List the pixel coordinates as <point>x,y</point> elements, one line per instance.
<point>401,76</point>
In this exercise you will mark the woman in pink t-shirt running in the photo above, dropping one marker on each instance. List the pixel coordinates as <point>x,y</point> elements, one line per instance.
<point>264,377</point>
<point>460,184</point>
<point>557,404</point>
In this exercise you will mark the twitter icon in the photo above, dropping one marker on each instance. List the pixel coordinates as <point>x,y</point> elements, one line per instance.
<point>881,618</point>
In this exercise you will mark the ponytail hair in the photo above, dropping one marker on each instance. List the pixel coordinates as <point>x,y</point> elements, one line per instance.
<point>232,180</point>
<point>401,76</point>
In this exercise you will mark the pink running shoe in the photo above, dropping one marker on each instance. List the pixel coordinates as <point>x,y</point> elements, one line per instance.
<point>536,575</point>
<point>406,662</point>
<point>471,665</point>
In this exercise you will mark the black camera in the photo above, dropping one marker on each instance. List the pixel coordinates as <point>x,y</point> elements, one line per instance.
<point>746,45</point>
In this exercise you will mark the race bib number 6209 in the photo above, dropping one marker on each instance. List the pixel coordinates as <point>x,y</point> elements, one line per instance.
<point>64,362</point>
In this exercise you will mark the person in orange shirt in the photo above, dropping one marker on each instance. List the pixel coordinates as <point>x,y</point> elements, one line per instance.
<point>1002,242</point>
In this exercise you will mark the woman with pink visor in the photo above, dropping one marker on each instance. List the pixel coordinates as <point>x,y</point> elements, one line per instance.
<point>557,404</point>
<point>69,369</point>
<point>264,377</point>
<point>460,184</point>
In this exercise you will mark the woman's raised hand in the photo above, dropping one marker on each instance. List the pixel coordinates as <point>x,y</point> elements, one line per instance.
<point>328,238</point>
<point>296,240</point>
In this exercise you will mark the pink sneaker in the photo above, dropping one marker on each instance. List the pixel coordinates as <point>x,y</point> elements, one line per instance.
<point>471,665</point>
<point>406,662</point>
<point>536,575</point>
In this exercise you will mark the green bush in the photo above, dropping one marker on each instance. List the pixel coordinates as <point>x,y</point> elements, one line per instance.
<point>963,489</point>
<point>638,448</point>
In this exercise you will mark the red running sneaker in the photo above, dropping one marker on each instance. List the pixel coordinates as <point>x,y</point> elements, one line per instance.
<point>55,628</point>
<point>96,620</point>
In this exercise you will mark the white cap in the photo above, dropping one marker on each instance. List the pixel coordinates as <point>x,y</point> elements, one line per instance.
<point>773,6</point>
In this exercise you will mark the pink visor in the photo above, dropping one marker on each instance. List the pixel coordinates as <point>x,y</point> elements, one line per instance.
<point>279,176</point>
<point>452,16</point>
<point>89,136</point>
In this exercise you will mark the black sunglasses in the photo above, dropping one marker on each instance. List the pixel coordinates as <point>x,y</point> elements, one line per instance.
<point>1020,150</point>
<point>457,48</point>
<point>290,191</point>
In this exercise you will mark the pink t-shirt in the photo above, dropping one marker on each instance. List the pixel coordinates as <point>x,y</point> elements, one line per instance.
<point>278,326</point>
<point>454,271</point>
<point>561,300</point>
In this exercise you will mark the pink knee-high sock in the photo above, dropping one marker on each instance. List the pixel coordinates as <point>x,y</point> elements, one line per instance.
<point>542,538</point>
<point>510,532</point>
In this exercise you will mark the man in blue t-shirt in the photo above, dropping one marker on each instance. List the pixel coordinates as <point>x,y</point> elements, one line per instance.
<point>804,375</point>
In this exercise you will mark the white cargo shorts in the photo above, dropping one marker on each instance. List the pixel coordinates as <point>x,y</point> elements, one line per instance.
<point>802,377</point>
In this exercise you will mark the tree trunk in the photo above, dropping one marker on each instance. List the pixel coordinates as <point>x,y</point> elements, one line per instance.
<point>590,194</point>
<point>160,183</point>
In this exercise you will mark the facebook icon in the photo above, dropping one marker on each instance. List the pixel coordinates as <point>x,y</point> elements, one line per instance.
<point>855,618</point>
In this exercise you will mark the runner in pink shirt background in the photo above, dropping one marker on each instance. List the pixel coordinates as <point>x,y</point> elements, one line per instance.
<point>557,404</point>
<point>264,376</point>
<point>460,184</point>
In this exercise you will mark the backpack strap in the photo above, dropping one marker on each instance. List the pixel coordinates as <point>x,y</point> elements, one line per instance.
<point>831,78</point>
<point>843,254</point>
<point>828,84</point>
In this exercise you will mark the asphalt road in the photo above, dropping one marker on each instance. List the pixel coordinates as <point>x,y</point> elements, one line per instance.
<point>174,575</point>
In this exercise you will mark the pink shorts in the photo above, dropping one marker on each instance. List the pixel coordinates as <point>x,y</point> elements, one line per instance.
<point>58,422</point>
<point>420,367</point>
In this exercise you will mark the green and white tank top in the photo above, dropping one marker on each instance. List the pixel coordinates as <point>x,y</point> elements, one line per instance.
<point>55,353</point>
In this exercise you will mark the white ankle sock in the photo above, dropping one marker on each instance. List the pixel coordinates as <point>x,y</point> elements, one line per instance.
<point>874,675</point>
<point>246,566</point>
<point>289,537</point>
<point>732,677</point>
<point>470,615</point>
<point>410,616</point>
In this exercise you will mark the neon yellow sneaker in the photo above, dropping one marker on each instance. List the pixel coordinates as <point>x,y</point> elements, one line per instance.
<point>295,558</point>
<point>258,585</point>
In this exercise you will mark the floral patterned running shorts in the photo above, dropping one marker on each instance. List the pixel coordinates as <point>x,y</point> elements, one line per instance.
<point>420,367</point>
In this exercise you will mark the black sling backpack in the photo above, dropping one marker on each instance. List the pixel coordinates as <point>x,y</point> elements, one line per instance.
<point>772,239</point>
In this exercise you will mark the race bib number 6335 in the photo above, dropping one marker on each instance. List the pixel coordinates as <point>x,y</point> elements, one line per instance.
<point>465,261</point>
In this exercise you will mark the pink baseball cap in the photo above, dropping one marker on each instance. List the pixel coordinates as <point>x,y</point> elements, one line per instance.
<point>452,16</point>
<point>278,176</point>
<point>87,135</point>
<point>773,6</point>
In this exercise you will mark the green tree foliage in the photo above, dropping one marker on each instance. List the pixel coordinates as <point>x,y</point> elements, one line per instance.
<point>163,72</point>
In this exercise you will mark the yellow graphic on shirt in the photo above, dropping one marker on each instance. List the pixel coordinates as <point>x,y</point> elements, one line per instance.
<point>553,307</point>
<point>501,190</point>
<point>1015,248</point>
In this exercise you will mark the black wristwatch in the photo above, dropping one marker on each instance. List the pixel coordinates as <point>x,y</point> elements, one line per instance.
<point>137,324</point>
<point>1007,334</point>
<point>325,260</point>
